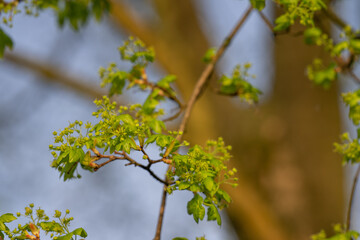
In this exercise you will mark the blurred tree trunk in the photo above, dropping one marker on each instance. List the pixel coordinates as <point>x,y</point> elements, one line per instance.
<point>285,146</point>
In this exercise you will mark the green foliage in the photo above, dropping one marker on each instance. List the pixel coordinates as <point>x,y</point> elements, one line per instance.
<point>5,42</point>
<point>203,171</point>
<point>321,75</point>
<point>258,4</point>
<point>38,221</point>
<point>340,234</point>
<point>238,85</point>
<point>302,10</point>
<point>350,148</point>
<point>122,130</point>
<point>74,12</point>
<point>209,55</point>
<point>352,99</point>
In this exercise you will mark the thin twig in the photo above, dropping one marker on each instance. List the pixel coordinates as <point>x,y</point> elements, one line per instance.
<point>334,18</point>
<point>198,89</point>
<point>206,74</point>
<point>268,23</point>
<point>131,162</point>
<point>354,76</point>
<point>161,215</point>
<point>348,217</point>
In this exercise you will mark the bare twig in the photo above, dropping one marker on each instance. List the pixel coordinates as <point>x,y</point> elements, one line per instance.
<point>161,215</point>
<point>354,76</point>
<point>198,89</point>
<point>328,12</point>
<point>206,74</point>
<point>268,23</point>
<point>124,156</point>
<point>353,189</point>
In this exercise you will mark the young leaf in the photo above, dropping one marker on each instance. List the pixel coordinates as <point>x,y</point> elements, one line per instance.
<point>209,55</point>
<point>213,214</point>
<point>5,42</point>
<point>195,208</point>
<point>258,4</point>
<point>7,218</point>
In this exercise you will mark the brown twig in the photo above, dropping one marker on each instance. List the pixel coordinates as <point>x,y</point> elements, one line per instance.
<point>334,18</point>
<point>161,215</point>
<point>206,74</point>
<point>198,89</point>
<point>268,23</point>
<point>354,76</point>
<point>124,156</point>
<point>348,217</point>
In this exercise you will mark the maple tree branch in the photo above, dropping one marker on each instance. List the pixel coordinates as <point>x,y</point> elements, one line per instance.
<point>124,156</point>
<point>206,74</point>
<point>198,89</point>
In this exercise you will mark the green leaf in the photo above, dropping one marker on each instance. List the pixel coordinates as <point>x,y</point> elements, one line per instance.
<point>209,184</point>
<point>339,48</point>
<point>7,217</point>
<point>63,157</point>
<point>355,45</point>
<point>183,185</point>
<point>150,105</point>
<point>213,214</point>
<point>282,23</point>
<point>2,226</point>
<point>157,125</point>
<point>80,232</point>
<point>163,140</point>
<point>165,83</point>
<point>66,237</point>
<point>5,42</point>
<point>224,195</point>
<point>179,238</point>
<point>51,227</point>
<point>151,139</point>
<point>194,188</point>
<point>209,55</point>
<point>195,208</point>
<point>117,83</point>
<point>76,155</point>
<point>126,118</point>
<point>312,35</point>
<point>258,4</point>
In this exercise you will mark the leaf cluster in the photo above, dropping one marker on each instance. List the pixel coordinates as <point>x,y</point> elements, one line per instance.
<point>203,170</point>
<point>340,233</point>
<point>238,85</point>
<point>122,130</point>
<point>350,148</point>
<point>294,10</point>
<point>74,12</point>
<point>38,221</point>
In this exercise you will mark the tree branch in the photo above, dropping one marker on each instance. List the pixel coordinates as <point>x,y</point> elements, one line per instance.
<point>198,89</point>
<point>131,161</point>
<point>206,74</point>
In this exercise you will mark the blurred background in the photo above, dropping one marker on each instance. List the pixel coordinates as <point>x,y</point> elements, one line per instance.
<point>291,184</point>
